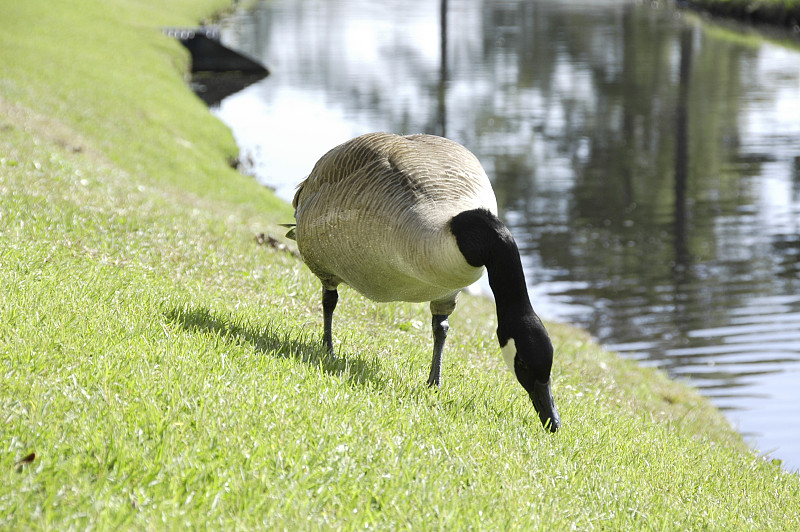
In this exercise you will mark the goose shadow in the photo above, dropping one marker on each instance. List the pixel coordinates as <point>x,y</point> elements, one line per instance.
<point>288,345</point>
<point>268,341</point>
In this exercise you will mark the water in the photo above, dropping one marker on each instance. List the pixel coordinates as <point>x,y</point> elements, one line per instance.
<point>648,164</point>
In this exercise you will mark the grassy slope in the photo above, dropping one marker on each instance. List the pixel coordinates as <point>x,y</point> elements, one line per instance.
<point>160,366</point>
<point>784,13</point>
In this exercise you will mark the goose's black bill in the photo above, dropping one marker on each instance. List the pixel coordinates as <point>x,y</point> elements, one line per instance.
<point>545,405</point>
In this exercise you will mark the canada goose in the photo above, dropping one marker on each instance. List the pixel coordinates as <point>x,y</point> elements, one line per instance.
<point>414,219</point>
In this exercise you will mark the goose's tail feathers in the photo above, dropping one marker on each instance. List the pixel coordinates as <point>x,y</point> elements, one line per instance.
<point>290,233</point>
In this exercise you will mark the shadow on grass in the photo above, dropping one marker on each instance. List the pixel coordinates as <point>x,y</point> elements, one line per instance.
<point>271,342</point>
<point>289,345</point>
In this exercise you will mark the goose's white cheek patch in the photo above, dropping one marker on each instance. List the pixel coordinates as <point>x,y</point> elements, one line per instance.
<point>509,352</point>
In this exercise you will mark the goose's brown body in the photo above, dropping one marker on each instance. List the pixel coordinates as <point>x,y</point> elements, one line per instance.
<point>374,214</point>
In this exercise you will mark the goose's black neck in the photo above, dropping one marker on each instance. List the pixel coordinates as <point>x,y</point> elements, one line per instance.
<point>485,241</point>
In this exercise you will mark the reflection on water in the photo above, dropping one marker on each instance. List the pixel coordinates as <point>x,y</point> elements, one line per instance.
<point>649,166</point>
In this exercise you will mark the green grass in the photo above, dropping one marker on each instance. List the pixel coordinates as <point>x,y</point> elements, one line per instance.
<point>784,13</point>
<point>165,370</point>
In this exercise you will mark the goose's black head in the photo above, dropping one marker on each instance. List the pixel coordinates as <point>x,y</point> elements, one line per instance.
<point>528,352</point>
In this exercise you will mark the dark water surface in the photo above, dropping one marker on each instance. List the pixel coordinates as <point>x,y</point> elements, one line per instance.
<point>648,164</point>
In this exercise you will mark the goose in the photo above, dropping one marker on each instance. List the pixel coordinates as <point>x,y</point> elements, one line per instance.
<point>414,218</point>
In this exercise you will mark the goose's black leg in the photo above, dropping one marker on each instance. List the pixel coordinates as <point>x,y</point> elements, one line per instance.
<point>440,328</point>
<point>329,300</point>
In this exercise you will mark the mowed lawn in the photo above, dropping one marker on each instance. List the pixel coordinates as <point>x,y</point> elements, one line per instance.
<point>161,366</point>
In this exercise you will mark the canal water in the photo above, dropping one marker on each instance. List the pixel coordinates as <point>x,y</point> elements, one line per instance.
<point>647,162</point>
